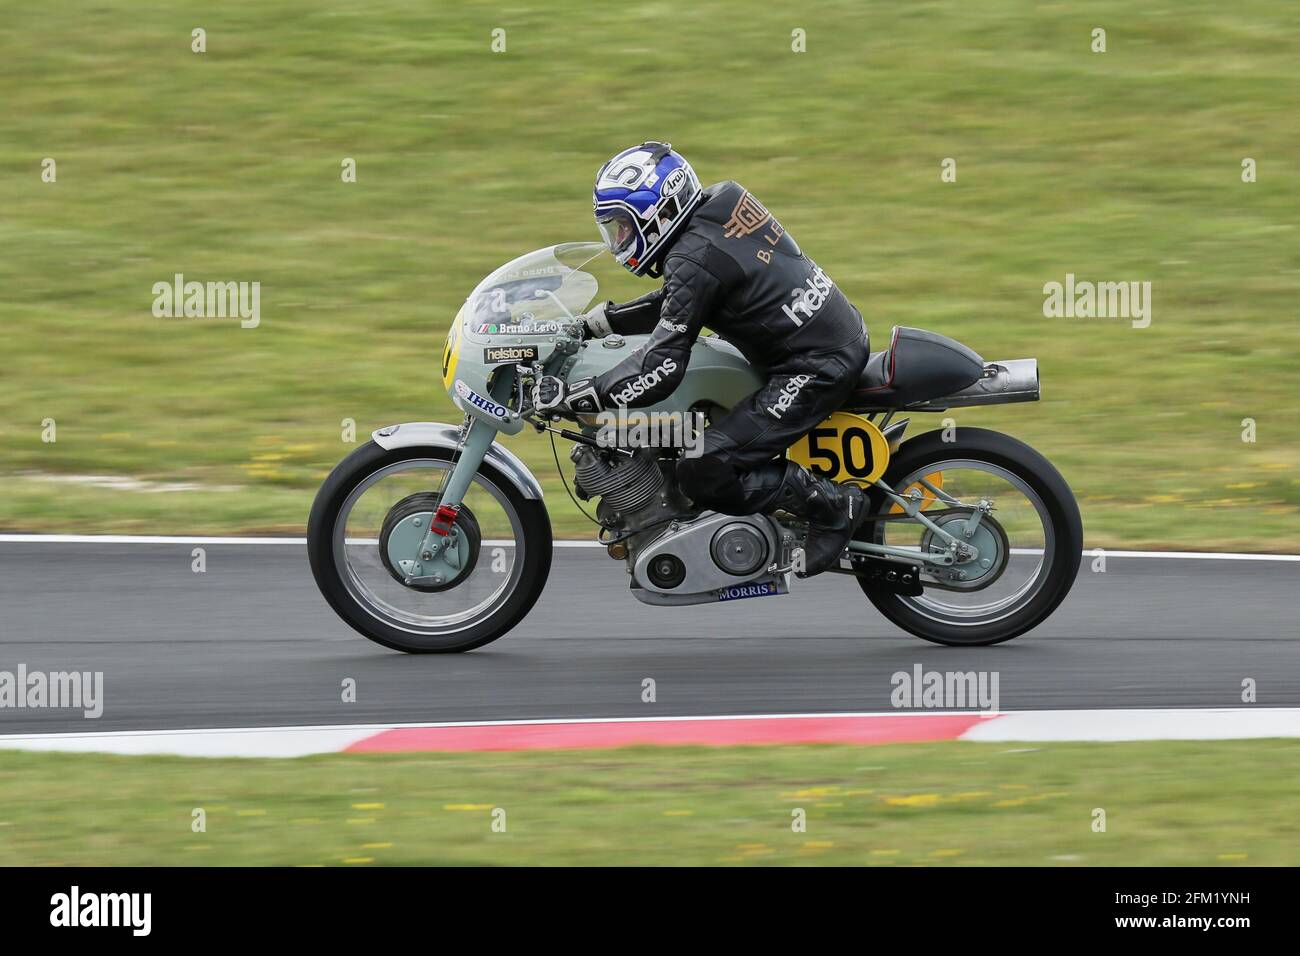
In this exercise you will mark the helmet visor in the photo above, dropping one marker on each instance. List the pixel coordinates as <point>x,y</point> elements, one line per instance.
<point>617,230</point>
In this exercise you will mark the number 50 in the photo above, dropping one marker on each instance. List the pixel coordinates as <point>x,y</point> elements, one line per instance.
<point>845,447</point>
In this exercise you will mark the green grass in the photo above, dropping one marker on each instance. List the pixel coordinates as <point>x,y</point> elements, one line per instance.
<point>225,166</point>
<point>1211,803</point>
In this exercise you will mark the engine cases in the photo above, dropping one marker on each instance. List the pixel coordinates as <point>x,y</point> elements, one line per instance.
<point>713,558</point>
<point>675,554</point>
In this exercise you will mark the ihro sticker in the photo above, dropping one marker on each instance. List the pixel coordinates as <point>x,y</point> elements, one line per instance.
<point>494,409</point>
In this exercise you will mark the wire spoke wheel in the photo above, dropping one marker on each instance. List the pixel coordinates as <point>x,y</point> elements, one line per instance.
<point>365,543</point>
<point>424,609</point>
<point>1005,516</point>
<point>1011,539</point>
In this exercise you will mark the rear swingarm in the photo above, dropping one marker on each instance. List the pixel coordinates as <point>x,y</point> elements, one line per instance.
<point>956,549</point>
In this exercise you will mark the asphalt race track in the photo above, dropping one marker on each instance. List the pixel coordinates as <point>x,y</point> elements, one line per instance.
<point>250,642</point>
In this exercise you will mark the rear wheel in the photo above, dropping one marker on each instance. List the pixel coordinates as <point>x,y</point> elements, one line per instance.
<point>363,542</point>
<point>1006,502</point>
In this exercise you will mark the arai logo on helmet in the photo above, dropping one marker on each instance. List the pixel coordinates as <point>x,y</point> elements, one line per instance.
<point>674,182</point>
<point>478,401</point>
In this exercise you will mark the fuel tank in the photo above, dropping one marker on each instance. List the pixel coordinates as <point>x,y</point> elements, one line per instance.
<point>717,373</point>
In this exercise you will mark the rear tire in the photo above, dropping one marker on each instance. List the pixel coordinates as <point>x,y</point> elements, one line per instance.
<point>534,550</point>
<point>979,444</point>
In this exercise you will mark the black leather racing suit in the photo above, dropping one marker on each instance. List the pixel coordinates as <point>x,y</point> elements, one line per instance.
<point>734,268</point>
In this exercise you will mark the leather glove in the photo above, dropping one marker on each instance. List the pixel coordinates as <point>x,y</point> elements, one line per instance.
<point>595,322</point>
<point>553,396</point>
<point>548,394</point>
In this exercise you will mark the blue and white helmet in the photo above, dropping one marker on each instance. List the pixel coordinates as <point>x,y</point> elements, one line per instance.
<point>643,197</point>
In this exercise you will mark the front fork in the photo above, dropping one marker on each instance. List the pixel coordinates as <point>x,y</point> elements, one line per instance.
<point>440,534</point>
<point>478,439</point>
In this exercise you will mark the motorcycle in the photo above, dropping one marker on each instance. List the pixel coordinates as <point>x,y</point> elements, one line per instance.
<point>435,538</point>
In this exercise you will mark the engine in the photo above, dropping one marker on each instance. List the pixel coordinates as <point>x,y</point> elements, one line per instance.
<point>624,484</point>
<point>675,554</point>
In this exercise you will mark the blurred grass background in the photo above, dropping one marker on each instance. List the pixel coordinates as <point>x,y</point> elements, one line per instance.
<point>226,166</point>
<point>1167,803</point>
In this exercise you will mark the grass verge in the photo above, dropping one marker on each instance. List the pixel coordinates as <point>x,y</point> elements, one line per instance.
<point>1165,803</point>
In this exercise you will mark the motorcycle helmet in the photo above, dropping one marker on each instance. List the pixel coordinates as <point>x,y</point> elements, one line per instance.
<point>643,197</point>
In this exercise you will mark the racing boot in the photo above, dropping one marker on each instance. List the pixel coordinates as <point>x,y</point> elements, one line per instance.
<point>834,513</point>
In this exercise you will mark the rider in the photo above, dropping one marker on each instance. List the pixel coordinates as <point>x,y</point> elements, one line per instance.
<point>728,264</point>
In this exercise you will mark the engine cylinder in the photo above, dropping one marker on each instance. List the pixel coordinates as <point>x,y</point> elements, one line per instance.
<point>622,483</point>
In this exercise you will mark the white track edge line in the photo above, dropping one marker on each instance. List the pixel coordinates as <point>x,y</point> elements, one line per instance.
<point>301,542</point>
<point>987,715</point>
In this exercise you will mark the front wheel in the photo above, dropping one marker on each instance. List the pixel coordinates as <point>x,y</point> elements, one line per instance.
<point>362,540</point>
<point>1009,505</point>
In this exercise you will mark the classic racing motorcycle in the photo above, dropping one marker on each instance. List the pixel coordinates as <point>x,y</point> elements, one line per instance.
<point>435,538</point>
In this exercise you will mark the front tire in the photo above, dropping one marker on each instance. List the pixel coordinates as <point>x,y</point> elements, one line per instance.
<point>1061,553</point>
<point>327,549</point>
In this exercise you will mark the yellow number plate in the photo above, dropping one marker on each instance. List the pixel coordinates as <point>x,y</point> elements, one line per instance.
<point>845,447</point>
<point>451,353</point>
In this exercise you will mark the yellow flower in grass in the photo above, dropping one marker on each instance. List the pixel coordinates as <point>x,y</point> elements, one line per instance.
<point>811,792</point>
<point>915,800</point>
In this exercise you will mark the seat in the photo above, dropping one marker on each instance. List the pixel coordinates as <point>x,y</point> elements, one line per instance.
<point>917,366</point>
